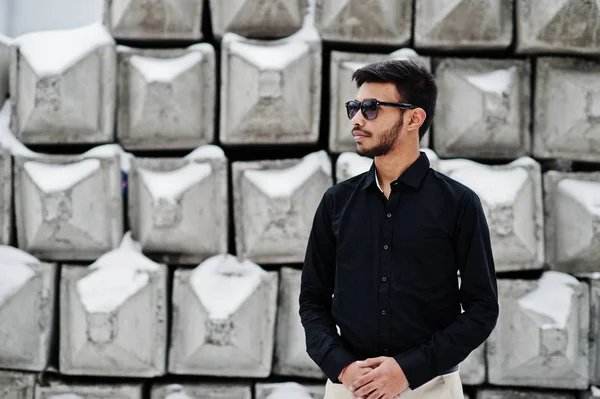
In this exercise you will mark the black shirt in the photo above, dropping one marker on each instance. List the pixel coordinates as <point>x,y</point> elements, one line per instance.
<point>385,272</point>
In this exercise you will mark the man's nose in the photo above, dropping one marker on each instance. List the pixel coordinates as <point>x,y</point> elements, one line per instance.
<point>357,119</point>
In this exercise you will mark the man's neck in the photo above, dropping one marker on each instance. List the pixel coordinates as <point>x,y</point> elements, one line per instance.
<point>390,166</point>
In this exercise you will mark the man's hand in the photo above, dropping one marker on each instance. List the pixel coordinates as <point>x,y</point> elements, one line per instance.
<point>385,381</point>
<point>353,372</point>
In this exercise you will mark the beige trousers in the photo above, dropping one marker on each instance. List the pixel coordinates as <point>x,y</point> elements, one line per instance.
<point>446,386</point>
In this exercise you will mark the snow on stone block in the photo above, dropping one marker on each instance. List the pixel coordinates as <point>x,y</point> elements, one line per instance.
<point>497,393</point>
<point>274,206</point>
<point>289,390</point>
<point>271,90</point>
<point>572,221</point>
<point>63,86</point>
<point>15,385</point>
<point>496,93</point>
<point>367,22</point>
<point>592,393</point>
<point>166,97</point>
<point>68,207</point>
<point>595,332</point>
<point>171,197</point>
<point>113,315</point>
<point>155,19</point>
<point>5,196</point>
<point>58,390</point>
<point>291,358</point>
<point>204,391</point>
<point>541,339</point>
<point>575,134</point>
<point>343,89</point>
<point>472,369</point>
<point>511,195</point>
<point>440,24</point>
<point>5,43</point>
<point>223,319</point>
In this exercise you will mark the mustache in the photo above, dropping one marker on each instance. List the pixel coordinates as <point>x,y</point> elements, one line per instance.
<point>361,132</point>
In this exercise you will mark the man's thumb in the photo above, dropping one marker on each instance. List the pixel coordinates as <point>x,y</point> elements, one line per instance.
<point>374,362</point>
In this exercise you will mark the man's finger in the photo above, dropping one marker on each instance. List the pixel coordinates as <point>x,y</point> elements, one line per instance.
<point>363,391</point>
<point>371,362</point>
<point>365,379</point>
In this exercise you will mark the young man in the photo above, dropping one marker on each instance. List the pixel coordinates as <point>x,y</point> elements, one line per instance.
<point>384,252</point>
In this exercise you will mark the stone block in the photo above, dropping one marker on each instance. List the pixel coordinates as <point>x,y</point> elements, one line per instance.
<point>114,315</point>
<point>271,90</point>
<point>274,206</point>
<point>367,22</point>
<point>511,195</point>
<point>567,126</point>
<point>497,393</point>
<point>64,94</point>
<point>27,308</point>
<point>541,339</point>
<point>472,369</point>
<point>154,19</point>
<point>203,391</point>
<point>563,26</point>
<point>595,332</point>
<point>342,89</point>
<point>496,93</point>
<point>592,393</point>
<point>572,221</point>
<point>58,390</point>
<point>223,319</point>
<point>68,207</point>
<point>289,390</point>
<point>441,24</point>
<point>6,207</point>
<point>257,18</point>
<point>166,97</point>
<point>291,358</point>
<point>5,43</point>
<point>15,385</point>
<point>179,207</point>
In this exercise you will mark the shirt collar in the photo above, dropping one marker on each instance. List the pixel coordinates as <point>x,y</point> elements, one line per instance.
<point>411,176</point>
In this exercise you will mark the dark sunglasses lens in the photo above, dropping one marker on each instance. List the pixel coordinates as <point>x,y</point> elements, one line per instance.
<point>352,108</point>
<point>369,109</point>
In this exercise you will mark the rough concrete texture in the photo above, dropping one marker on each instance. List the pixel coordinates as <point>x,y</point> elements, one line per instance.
<point>6,207</point>
<point>289,390</point>
<point>343,89</point>
<point>511,195</point>
<point>496,93</point>
<point>271,90</point>
<point>492,393</point>
<point>572,221</point>
<point>58,390</point>
<point>68,207</point>
<point>595,332</point>
<point>440,24</point>
<point>274,206</point>
<point>204,391</point>
<point>257,18</point>
<point>472,369</point>
<point>5,43</point>
<point>291,358</point>
<point>166,97</point>
<point>223,319</point>
<point>178,207</point>
<point>541,339</point>
<point>572,135</point>
<point>154,19</point>
<point>560,26</point>
<point>366,22</point>
<point>70,100</point>
<point>14,385</point>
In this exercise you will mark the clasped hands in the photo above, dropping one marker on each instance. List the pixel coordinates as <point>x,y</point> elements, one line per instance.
<point>376,378</point>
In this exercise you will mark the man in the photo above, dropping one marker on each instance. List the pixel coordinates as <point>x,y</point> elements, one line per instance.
<point>384,251</point>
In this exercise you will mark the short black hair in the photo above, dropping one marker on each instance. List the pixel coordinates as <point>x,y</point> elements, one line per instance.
<point>414,82</point>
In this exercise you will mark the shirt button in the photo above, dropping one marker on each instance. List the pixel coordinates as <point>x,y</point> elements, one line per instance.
<point>389,215</point>
<point>383,312</point>
<point>385,247</point>
<point>384,279</point>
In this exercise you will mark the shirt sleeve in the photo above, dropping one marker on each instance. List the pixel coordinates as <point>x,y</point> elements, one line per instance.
<point>323,343</point>
<point>478,296</point>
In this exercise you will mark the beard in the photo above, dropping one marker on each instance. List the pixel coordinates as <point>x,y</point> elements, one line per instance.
<point>386,142</point>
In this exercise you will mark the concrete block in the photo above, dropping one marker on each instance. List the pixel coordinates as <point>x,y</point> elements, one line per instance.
<point>441,24</point>
<point>496,93</point>
<point>289,390</point>
<point>223,319</point>
<point>27,308</point>
<point>179,207</point>
<point>472,369</point>
<point>68,207</point>
<point>114,315</point>
<point>291,358</point>
<point>541,339</point>
<point>16,385</point>
<point>565,26</point>
<point>58,390</point>
<point>64,94</point>
<point>342,89</point>
<point>511,195</point>
<point>595,332</point>
<point>6,207</point>
<point>257,18</point>
<point>154,19</point>
<point>274,205</point>
<point>572,221</point>
<point>567,126</point>
<point>497,393</point>
<point>5,43</point>
<point>366,22</point>
<point>166,97</point>
<point>592,393</point>
<point>271,90</point>
<point>203,391</point>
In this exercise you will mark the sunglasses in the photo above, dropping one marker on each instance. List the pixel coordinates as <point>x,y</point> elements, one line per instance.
<point>370,108</point>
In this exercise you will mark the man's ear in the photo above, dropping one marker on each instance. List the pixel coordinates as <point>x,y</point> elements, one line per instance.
<point>417,118</point>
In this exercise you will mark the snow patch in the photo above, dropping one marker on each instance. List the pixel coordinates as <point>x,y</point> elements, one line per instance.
<point>207,151</point>
<point>14,277</point>
<point>165,69</point>
<point>353,163</point>
<point>172,184</point>
<point>51,178</point>
<point>288,390</point>
<point>108,151</point>
<point>595,391</point>
<point>273,56</point>
<point>175,391</point>
<point>497,82</point>
<point>65,396</point>
<point>7,138</point>
<point>587,193</point>
<point>12,255</point>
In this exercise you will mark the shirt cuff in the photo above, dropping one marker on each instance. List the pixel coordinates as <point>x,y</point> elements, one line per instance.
<point>415,367</point>
<point>336,361</point>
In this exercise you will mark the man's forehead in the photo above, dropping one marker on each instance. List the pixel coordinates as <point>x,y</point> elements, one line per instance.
<point>380,91</point>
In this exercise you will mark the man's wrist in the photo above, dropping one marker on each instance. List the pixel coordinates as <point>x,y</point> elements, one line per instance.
<point>342,372</point>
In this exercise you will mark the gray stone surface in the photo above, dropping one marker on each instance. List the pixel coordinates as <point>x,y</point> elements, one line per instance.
<point>179,207</point>
<point>442,24</point>
<point>559,26</point>
<point>5,43</point>
<point>154,19</point>
<point>15,385</point>
<point>289,390</point>
<point>567,109</point>
<point>473,369</point>
<point>274,206</point>
<point>497,393</point>
<point>166,97</point>
<point>595,332</point>
<point>6,192</point>
<point>202,391</point>
<point>496,94</point>
<point>271,90</point>
<point>541,339</point>
<point>68,207</point>
<point>358,21</point>
<point>58,390</point>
